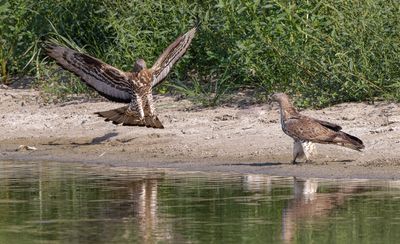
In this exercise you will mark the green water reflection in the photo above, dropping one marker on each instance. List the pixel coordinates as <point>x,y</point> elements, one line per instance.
<point>75,203</point>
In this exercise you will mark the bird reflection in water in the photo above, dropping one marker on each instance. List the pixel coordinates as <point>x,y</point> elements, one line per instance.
<point>308,205</point>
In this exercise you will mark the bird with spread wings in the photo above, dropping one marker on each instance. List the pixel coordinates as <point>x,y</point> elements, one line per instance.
<point>133,87</point>
<point>306,130</point>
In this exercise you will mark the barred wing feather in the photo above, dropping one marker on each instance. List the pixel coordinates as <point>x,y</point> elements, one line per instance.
<point>329,125</point>
<point>171,55</point>
<point>308,130</point>
<point>105,79</point>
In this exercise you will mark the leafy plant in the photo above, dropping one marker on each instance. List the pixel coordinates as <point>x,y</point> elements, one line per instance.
<point>322,52</point>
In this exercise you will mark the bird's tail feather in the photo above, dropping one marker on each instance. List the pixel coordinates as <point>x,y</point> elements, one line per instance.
<point>153,121</point>
<point>120,116</point>
<point>349,141</point>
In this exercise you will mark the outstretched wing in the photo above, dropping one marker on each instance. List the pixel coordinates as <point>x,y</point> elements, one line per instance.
<point>105,79</point>
<point>169,57</point>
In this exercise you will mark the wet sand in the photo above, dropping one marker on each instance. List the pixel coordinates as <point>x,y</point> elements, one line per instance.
<point>232,138</point>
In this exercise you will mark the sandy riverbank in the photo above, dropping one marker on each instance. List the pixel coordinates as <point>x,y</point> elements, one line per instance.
<point>245,139</point>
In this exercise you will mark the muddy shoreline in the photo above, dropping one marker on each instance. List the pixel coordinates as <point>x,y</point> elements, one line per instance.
<point>240,139</point>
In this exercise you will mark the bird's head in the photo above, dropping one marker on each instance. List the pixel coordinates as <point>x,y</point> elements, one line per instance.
<point>284,102</point>
<point>279,97</point>
<point>139,65</point>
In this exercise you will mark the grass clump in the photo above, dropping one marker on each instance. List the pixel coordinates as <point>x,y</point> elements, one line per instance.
<point>322,52</point>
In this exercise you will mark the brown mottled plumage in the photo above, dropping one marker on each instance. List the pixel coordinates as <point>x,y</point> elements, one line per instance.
<point>133,87</point>
<point>306,130</point>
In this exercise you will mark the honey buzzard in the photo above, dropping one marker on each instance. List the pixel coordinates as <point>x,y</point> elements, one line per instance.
<point>306,131</point>
<point>133,87</point>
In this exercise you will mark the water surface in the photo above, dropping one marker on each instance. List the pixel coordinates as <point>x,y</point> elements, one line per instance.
<point>78,203</point>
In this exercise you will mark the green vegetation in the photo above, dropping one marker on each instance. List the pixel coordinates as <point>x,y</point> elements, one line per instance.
<point>322,52</point>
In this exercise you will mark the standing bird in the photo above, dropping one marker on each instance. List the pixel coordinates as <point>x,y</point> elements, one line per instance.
<point>305,130</point>
<point>133,87</point>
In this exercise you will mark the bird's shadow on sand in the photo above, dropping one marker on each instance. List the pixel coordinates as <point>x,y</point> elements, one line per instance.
<point>94,141</point>
<point>254,164</point>
<point>98,140</point>
<point>344,161</point>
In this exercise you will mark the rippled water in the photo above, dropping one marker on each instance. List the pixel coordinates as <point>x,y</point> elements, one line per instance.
<point>75,203</point>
